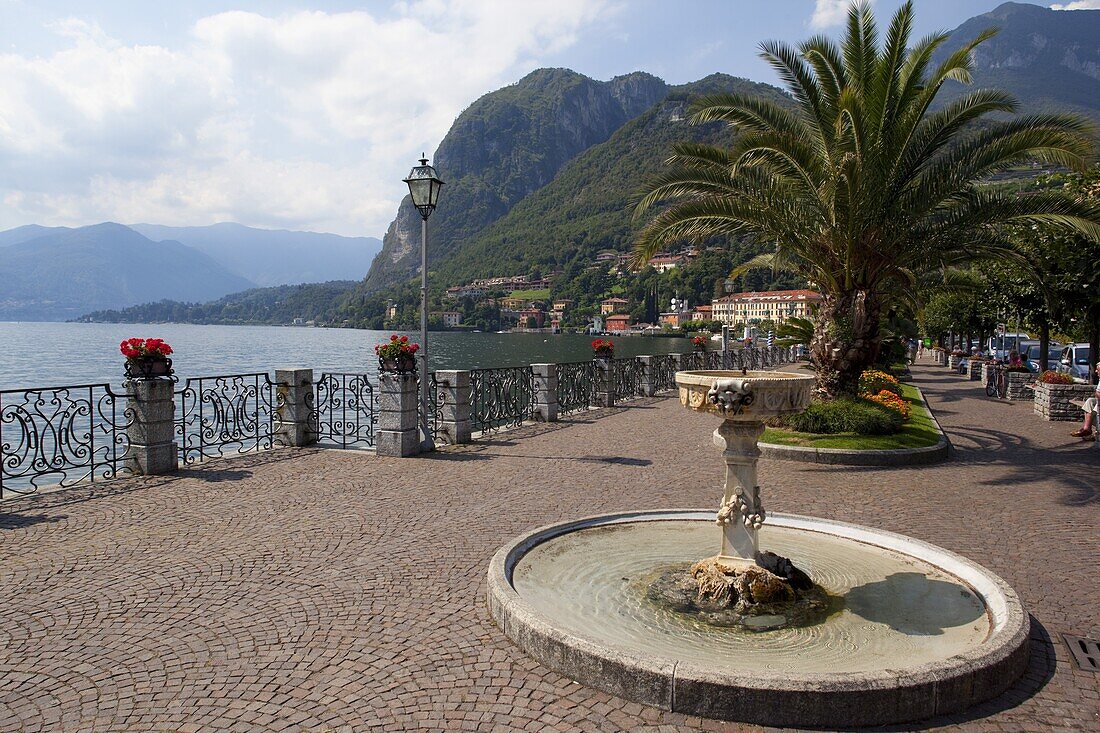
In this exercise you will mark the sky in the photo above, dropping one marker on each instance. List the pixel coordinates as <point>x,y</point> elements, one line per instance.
<point>307,115</point>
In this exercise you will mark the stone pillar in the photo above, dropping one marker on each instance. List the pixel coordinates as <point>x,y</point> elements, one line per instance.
<point>295,424</point>
<point>546,392</point>
<point>678,364</point>
<point>152,432</point>
<point>398,408</point>
<point>605,383</point>
<point>741,513</point>
<point>454,398</point>
<point>974,369</point>
<point>647,387</point>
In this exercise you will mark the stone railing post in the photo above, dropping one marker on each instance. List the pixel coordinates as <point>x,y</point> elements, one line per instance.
<point>546,392</point>
<point>647,386</point>
<point>605,383</point>
<point>152,431</point>
<point>454,398</point>
<point>398,407</point>
<point>295,424</point>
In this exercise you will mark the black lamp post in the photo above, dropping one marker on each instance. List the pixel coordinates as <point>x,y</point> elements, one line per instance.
<point>424,185</point>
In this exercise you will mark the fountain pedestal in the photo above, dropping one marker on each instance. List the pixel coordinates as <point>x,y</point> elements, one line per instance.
<point>743,400</point>
<point>740,514</point>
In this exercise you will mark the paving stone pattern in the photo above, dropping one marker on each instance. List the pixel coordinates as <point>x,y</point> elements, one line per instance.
<point>324,590</point>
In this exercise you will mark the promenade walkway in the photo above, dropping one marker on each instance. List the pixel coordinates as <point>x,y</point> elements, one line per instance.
<point>319,590</point>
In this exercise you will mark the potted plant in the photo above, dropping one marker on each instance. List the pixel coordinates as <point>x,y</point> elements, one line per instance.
<point>603,349</point>
<point>146,358</point>
<point>699,342</point>
<point>397,354</point>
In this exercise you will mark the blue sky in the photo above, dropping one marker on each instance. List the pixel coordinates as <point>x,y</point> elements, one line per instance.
<point>306,115</point>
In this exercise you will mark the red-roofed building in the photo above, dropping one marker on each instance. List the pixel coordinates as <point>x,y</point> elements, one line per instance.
<point>618,322</point>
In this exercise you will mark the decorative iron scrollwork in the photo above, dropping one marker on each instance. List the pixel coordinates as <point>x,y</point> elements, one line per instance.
<point>230,413</point>
<point>501,397</point>
<point>62,435</point>
<point>343,410</point>
<point>577,382</point>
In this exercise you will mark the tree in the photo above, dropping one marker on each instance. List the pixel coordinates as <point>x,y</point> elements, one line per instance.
<point>862,187</point>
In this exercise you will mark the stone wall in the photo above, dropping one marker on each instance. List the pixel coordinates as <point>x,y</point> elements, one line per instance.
<point>1052,401</point>
<point>1016,383</point>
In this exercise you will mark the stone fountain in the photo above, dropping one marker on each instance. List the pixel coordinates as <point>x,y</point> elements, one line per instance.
<point>795,621</point>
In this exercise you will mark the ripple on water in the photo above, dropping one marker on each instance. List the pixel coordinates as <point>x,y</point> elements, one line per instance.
<point>898,611</point>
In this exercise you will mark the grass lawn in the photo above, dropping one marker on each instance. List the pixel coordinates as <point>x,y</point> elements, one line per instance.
<point>917,432</point>
<point>531,294</point>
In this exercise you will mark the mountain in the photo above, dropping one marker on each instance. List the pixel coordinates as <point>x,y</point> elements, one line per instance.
<point>276,305</point>
<point>66,272</point>
<point>1049,59</point>
<point>503,147</point>
<point>587,207</point>
<point>274,257</point>
<point>23,233</point>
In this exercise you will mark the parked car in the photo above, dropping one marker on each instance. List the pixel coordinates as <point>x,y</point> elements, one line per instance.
<point>1074,360</point>
<point>1054,357</point>
<point>999,346</point>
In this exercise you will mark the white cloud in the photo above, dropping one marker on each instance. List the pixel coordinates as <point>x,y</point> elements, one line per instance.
<point>829,13</point>
<point>302,120</point>
<point>1077,5</point>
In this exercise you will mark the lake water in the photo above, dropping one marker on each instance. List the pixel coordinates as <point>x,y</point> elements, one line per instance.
<point>54,354</point>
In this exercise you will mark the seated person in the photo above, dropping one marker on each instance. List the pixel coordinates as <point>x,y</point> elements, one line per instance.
<point>1090,413</point>
<point>1014,359</point>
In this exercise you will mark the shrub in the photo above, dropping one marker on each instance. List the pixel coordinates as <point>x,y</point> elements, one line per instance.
<point>846,415</point>
<point>874,381</point>
<point>1052,377</point>
<point>892,400</point>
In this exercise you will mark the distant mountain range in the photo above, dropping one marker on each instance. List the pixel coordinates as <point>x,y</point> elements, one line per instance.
<point>275,257</point>
<point>59,273</point>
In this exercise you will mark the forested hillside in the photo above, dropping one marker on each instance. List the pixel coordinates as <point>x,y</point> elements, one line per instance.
<point>278,305</point>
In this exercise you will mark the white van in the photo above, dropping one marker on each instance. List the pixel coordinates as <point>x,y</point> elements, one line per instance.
<point>1075,361</point>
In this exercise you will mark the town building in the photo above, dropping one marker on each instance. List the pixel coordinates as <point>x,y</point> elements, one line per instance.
<point>665,262</point>
<point>703,313</point>
<point>772,305</point>
<point>618,322</point>
<point>561,305</point>
<point>527,314</point>
<point>450,318</point>
<point>613,305</point>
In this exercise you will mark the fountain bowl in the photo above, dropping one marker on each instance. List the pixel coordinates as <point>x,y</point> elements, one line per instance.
<point>769,393</point>
<point>924,632</point>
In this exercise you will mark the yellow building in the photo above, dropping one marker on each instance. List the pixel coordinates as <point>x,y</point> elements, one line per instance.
<point>772,305</point>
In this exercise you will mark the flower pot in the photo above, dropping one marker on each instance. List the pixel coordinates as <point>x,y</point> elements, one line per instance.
<point>601,356</point>
<point>402,364</point>
<point>148,368</point>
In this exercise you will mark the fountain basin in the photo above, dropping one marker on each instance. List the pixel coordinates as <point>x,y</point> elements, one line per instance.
<point>923,631</point>
<point>772,393</point>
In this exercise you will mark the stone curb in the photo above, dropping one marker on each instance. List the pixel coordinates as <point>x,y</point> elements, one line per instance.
<point>775,699</point>
<point>937,453</point>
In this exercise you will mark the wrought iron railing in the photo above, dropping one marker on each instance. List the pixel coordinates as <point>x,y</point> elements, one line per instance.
<point>663,376</point>
<point>626,378</point>
<point>343,412</point>
<point>61,435</point>
<point>577,382</point>
<point>233,413</point>
<point>501,397</point>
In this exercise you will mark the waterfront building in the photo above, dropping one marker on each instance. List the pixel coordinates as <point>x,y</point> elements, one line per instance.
<point>703,313</point>
<point>772,305</point>
<point>613,305</point>
<point>450,319</point>
<point>618,322</point>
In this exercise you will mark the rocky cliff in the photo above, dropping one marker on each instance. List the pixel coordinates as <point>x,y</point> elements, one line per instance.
<point>505,146</point>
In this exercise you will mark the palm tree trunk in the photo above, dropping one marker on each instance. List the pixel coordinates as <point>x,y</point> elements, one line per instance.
<point>846,341</point>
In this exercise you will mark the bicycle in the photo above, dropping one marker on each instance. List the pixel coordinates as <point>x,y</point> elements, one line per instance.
<point>996,385</point>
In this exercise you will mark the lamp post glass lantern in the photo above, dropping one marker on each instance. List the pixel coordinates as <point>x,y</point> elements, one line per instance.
<point>424,185</point>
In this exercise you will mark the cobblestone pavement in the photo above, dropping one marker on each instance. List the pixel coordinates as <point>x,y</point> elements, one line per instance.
<point>333,590</point>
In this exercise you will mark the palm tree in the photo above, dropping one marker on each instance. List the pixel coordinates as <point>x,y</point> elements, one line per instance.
<point>859,185</point>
